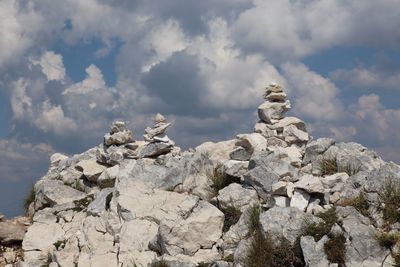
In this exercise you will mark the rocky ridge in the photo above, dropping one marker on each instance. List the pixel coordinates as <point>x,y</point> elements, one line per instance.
<point>138,203</point>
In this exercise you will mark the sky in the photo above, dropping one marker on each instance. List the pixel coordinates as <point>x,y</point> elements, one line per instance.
<point>69,68</point>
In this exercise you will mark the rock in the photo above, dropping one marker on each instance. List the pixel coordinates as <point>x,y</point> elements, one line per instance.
<point>11,232</point>
<point>354,156</point>
<point>108,176</point>
<point>152,150</point>
<point>51,192</point>
<point>317,147</point>
<point>2,217</point>
<point>285,221</point>
<point>252,142</point>
<point>283,188</point>
<point>273,88</point>
<point>276,97</point>
<point>335,182</point>
<point>282,201</point>
<point>90,169</point>
<point>217,152</point>
<point>313,252</point>
<point>235,168</point>
<point>163,172</point>
<point>361,245</point>
<point>271,111</point>
<point>266,168</point>
<point>157,130</point>
<point>293,155</point>
<point>299,199</point>
<point>42,236</point>
<point>292,135</point>
<point>118,126</point>
<point>262,128</point>
<point>281,124</point>
<point>310,184</point>
<point>134,242</point>
<point>186,223</point>
<point>56,158</point>
<point>99,204</point>
<point>240,154</point>
<point>118,138</point>
<point>234,195</point>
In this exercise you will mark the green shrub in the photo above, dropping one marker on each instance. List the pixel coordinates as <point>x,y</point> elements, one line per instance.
<point>360,203</point>
<point>328,165</point>
<point>335,249</point>
<point>29,198</point>
<point>389,201</point>
<point>232,216</point>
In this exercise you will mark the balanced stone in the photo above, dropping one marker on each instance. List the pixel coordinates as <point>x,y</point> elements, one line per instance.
<point>275,105</point>
<point>118,135</point>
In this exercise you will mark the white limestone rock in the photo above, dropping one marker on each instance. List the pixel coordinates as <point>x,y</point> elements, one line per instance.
<point>134,242</point>
<point>217,152</point>
<point>314,254</point>
<point>235,195</point>
<point>90,169</point>
<point>252,142</point>
<point>269,112</point>
<point>108,176</point>
<point>310,184</point>
<point>299,200</point>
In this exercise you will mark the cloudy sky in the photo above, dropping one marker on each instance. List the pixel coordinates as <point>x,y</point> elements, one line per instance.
<point>68,68</point>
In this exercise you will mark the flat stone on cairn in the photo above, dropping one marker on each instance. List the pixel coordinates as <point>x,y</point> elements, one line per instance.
<point>275,105</point>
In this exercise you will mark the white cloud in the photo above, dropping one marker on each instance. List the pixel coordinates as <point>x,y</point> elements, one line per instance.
<point>369,77</point>
<point>19,161</point>
<point>52,119</point>
<point>94,81</point>
<point>52,66</point>
<point>314,97</point>
<point>288,29</point>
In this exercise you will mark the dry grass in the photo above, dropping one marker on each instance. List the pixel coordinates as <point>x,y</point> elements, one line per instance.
<point>360,203</point>
<point>389,201</point>
<point>328,165</point>
<point>232,216</point>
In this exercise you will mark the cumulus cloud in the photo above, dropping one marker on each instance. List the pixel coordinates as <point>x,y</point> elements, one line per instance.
<point>315,97</point>
<point>292,29</point>
<point>17,159</point>
<point>94,81</point>
<point>52,66</point>
<point>374,76</point>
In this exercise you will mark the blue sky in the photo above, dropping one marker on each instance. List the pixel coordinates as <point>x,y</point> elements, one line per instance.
<point>69,68</point>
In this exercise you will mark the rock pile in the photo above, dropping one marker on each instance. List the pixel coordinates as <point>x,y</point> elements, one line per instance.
<point>12,233</point>
<point>135,203</point>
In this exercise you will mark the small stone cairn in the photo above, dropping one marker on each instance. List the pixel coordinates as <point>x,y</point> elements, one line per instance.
<point>273,131</point>
<point>157,132</point>
<point>275,105</point>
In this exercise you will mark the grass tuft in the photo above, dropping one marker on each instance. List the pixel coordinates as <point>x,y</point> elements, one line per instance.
<point>232,216</point>
<point>328,165</point>
<point>389,201</point>
<point>253,221</point>
<point>29,198</point>
<point>360,203</point>
<point>318,230</point>
<point>387,240</point>
<point>335,249</point>
<point>351,168</point>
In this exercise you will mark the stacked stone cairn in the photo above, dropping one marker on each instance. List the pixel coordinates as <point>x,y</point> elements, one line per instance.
<point>159,142</point>
<point>144,203</point>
